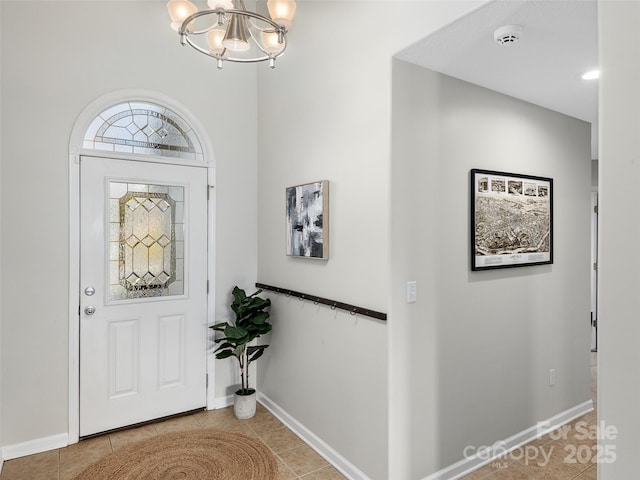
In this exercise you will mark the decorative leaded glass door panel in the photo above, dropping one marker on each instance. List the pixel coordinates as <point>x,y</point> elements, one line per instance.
<point>143,323</point>
<point>146,242</point>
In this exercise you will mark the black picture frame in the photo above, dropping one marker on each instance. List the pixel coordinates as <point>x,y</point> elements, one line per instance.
<point>511,220</point>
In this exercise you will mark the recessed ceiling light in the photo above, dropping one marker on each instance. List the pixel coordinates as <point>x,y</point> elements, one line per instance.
<point>592,75</point>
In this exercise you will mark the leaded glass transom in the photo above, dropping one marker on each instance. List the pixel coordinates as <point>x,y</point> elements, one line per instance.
<point>146,255</point>
<point>143,128</point>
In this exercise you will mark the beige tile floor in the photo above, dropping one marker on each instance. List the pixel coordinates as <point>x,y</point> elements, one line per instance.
<point>569,450</point>
<point>298,461</point>
<point>295,459</point>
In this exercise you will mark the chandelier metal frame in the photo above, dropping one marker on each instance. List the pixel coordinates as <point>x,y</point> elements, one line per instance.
<point>226,54</point>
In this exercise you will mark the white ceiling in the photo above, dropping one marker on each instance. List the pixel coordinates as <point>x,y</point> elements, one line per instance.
<point>559,42</point>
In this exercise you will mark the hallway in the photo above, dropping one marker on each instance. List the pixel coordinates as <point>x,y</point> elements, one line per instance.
<point>565,454</point>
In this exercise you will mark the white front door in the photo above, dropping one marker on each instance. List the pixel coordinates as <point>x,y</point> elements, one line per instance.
<point>143,291</point>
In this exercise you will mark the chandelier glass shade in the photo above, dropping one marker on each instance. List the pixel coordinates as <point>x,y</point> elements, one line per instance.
<point>227,31</point>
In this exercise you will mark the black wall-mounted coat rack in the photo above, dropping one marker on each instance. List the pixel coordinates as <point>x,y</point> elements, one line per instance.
<point>333,304</point>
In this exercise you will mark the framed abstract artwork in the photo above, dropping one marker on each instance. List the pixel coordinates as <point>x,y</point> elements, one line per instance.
<point>307,220</point>
<point>511,220</point>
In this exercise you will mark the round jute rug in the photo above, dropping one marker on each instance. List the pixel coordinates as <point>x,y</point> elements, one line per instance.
<point>193,455</point>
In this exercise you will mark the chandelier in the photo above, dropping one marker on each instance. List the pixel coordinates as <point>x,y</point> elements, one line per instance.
<point>227,31</point>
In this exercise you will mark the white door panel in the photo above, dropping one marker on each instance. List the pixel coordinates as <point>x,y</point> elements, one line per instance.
<point>144,254</point>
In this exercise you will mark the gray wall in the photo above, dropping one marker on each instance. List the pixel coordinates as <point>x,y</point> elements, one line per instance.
<point>472,355</point>
<point>83,50</point>
<point>325,113</point>
<point>619,355</point>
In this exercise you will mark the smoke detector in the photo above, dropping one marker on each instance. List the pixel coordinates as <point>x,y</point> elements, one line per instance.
<point>508,35</point>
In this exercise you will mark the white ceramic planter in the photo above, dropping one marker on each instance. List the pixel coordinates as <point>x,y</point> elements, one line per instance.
<point>244,406</point>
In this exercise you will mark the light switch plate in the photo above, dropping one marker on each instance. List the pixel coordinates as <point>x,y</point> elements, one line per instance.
<point>412,291</point>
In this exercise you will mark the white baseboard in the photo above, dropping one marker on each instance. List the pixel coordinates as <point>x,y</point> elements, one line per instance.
<point>35,446</point>
<point>334,458</point>
<point>468,465</point>
<point>223,402</point>
<point>452,472</point>
<point>61,440</point>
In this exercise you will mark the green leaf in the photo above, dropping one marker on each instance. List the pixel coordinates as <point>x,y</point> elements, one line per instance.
<point>238,293</point>
<point>235,333</point>
<point>239,297</point>
<point>254,348</point>
<point>224,345</point>
<point>260,317</point>
<point>256,352</point>
<point>258,330</point>
<point>224,354</point>
<point>220,326</point>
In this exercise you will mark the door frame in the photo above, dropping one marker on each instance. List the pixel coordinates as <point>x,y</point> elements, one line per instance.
<point>594,270</point>
<point>76,151</point>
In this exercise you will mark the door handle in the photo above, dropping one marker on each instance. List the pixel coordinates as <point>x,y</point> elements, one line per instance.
<point>89,309</point>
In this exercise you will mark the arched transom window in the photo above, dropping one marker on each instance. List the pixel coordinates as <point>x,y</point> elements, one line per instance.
<point>143,128</point>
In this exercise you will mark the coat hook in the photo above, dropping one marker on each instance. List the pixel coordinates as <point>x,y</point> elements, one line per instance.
<point>301,298</point>
<point>353,312</point>
<point>333,307</point>
<point>317,300</point>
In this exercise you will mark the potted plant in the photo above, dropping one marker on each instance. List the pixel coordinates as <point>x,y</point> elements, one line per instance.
<point>250,323</point>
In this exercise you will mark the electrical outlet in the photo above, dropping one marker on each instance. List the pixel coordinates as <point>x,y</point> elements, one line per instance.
<point>412,292</point>
<point>552,377</point>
